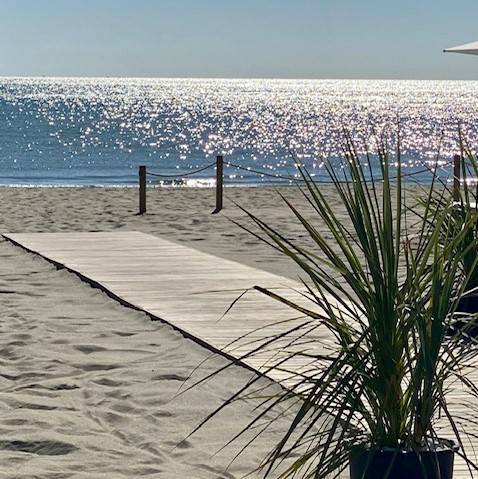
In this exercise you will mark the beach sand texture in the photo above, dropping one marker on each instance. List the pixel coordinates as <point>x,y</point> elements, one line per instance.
<point>89,387</point>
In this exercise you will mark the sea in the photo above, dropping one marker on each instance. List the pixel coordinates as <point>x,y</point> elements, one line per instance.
<point>58,132</point>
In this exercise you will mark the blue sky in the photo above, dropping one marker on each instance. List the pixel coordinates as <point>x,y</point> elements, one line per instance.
<point>238,38</point>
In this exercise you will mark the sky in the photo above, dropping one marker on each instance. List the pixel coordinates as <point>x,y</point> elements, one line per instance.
<point>316,39</point>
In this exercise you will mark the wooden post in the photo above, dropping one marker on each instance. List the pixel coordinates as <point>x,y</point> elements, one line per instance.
<point>142,189</point>
<point>219,182</point>
<point>456,177</point>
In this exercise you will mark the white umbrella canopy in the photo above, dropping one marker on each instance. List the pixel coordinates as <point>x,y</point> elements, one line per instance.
<point>469,48</point>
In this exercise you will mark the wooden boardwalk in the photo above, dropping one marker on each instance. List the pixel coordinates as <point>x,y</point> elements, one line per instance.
<point>191,291</point>
<point>186,288</point>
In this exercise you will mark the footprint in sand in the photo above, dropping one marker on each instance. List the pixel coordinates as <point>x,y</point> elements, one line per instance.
<point>43,448</point>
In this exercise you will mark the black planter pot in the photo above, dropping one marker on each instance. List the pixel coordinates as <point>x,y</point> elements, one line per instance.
<point>402,465</point>
<point>467,305</point>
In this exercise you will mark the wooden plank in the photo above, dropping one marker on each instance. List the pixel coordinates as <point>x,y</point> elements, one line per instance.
<point>188,289</point>
<point>192,290</point>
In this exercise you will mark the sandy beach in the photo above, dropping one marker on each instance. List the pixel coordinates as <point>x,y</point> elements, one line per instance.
<point>91,388</point>
<point>94,389</point>
<point>182,215</point>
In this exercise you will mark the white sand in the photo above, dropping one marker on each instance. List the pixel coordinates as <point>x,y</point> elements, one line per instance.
<point>89,387</point>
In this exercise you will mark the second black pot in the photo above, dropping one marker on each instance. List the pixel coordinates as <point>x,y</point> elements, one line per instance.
<point>402,465</point>
<point>467,306</point>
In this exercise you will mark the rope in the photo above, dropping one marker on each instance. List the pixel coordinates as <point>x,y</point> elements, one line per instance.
<point>289,178</point>
<point>415,173</point>
<point>281,177</point>
<point>184,174</point>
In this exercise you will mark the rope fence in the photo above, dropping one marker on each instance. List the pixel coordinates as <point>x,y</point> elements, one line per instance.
<point>218,165</point>
<point>184,174</point>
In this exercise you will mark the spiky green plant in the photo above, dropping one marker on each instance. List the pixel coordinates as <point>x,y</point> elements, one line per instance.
<point>464,210</point>
<point>386,293</point>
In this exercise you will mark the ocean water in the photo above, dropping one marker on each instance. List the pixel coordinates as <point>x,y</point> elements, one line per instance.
<point>71,131</point>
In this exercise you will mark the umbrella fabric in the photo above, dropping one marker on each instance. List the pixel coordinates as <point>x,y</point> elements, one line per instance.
<point>470,48</point>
